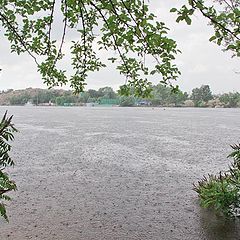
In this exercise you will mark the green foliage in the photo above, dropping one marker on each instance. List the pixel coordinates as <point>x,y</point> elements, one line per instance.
<point>84,97</point>
<point>164,96</point>
<point>201,95</point>
<point>125,27</point>
<point>161,95</point>
<point>106,92</point>
<point>108,101</point>
<point>222,192</point>
<point>66,98</point>
<point>6,134</point>
<point>42,96</point>
<point>127,101</point>
<point>224,16</point>
<point>230,99</point>
<point>19,99</point>
<point>92,95</point>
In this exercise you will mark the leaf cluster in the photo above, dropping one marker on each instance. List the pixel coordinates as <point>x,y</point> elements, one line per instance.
<point>6,134</point>
<point>222,192</point>
<point>125,28</point>
<point>223,15</point>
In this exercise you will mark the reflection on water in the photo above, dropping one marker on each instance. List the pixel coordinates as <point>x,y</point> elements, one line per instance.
<point>217,227</point>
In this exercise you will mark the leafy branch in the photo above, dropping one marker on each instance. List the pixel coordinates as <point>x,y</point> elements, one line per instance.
<point>124,26</point>
<point>226,23</point>
<point>6,134</point>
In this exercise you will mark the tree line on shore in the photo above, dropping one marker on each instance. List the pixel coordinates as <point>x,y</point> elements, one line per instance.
<point>161,96</point>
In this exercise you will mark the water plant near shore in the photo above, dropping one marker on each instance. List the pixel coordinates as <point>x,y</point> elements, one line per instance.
<point>222,191</point>
<point>6,134</point>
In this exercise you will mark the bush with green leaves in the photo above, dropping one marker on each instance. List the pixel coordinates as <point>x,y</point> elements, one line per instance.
<point>222,192</point>
<point>6,134</point>
<point>127,101</point>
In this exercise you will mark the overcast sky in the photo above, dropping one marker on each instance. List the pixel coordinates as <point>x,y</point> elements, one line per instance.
<point>201,62</point>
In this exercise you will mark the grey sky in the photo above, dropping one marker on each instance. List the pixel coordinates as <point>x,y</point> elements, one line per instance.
<point>201,62</point>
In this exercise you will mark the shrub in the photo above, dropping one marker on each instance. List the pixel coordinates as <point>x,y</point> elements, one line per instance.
<point>127,101</point>
<point>222,192</point>
<point>6,134</point>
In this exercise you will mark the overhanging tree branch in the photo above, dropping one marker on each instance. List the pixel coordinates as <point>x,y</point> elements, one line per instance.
<point>18,36</point>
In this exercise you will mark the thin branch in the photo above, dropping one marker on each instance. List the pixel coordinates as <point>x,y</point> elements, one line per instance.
<point>2,191</point>
<point>116,13</point>
<point>50,26</point>
<point>4,19</point>
<point>84,34</point>
<point>63,36</point>
<point>137,25</point>
<point>64,31</point>
<point>227,3</point>
<point>215,21</point>
<point>113,36</point>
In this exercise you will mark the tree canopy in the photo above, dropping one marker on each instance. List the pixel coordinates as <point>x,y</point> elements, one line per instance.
<point>201,95</point>
<point>161,95</point>
<point>127,28</point>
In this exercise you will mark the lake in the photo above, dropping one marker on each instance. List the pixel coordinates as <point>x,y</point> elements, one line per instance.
<point>117,173</point>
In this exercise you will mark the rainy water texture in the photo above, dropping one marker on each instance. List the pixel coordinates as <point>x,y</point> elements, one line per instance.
<point>117,173</point>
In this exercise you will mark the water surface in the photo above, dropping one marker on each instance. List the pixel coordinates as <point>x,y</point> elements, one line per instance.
<point>117,173</point>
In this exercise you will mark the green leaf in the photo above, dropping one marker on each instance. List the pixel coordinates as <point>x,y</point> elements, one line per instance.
<point>173,10</point>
